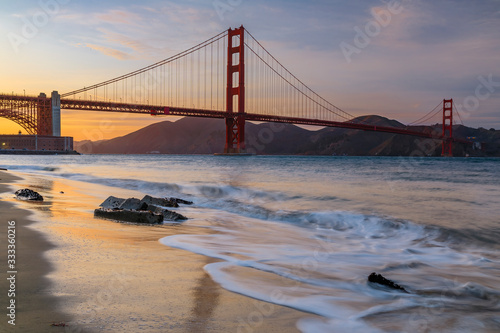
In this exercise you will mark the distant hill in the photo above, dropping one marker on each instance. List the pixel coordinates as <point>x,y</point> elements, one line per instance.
<point>207,136</point>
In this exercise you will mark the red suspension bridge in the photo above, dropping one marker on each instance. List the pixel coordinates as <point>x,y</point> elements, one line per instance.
<point>230,76</point>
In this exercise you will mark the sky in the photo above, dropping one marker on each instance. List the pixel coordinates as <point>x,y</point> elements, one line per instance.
<point>398,58</point>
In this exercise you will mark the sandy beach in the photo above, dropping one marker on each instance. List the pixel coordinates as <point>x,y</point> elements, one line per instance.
<point>35,307</point>
<point>103,276</point>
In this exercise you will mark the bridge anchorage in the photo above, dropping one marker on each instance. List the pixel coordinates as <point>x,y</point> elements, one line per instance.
<point>230,76</point>
<point>39,115</point>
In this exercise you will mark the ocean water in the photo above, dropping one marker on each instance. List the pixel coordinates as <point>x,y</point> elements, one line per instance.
<point>305,232</point>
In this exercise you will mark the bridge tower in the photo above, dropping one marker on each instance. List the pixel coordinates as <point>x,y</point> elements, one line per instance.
<point>447,135</point>
<point>235,124</point>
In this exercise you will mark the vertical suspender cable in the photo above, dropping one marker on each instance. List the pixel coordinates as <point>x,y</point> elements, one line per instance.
<point>217,72</point>
<point>205,88</point>
<point>199,79</point>
<point>211,76</point>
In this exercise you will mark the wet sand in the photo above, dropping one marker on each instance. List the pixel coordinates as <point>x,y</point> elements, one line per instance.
<point>35,309</point>
<point>105,276</point>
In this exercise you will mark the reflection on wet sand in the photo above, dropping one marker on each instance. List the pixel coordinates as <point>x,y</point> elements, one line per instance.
<point>206,300</point>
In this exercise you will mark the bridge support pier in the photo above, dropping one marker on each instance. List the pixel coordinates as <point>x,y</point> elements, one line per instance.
<point>235,121</point>
<point>447,150</point>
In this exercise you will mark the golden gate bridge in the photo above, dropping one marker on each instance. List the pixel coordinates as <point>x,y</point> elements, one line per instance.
<point>229,76</point>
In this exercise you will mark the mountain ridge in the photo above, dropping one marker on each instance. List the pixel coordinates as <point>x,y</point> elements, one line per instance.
<point>207,136</point>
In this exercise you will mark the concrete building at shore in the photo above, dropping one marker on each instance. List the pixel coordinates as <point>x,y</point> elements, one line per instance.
<point>36,143</point>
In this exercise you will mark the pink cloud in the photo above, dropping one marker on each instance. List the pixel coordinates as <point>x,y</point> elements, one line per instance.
<point>117,54</point>
<point>119,17</point>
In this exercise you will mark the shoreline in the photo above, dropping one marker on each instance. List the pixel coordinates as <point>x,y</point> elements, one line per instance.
<point>38,152</point>
<point>35,307</point>
<point>108,276</point>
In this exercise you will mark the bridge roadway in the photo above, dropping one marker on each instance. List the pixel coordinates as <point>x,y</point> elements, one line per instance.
<point>72,104</point>
<point>10,102</point>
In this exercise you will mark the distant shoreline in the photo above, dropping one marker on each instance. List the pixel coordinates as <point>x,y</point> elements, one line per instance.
<point>37,152</point>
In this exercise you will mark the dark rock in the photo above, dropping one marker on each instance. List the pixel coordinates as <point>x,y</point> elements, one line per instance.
<point>133,204</point>
<point>155,209</point>
<point>159,201</point>
<point>27,194</point>
<point>168,215</point>
<point>126,215</point>
<point>378,278</point>
<point>112,202</point>
<point>180,201</point>
<point>148,210</point>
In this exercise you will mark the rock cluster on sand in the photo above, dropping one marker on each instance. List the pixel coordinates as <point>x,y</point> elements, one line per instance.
<point>27,194</point>
<point>148,210</point>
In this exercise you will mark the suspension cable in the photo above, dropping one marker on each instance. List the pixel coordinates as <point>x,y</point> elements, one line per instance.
<point>144,69</point>
<point>298,80</point>
<point>426,116</point>
<point>459,117</point>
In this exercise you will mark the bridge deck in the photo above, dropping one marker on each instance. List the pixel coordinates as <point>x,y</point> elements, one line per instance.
<point>156,110</point>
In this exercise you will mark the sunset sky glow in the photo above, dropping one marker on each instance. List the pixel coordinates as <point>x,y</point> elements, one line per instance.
<point>397,59</point>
